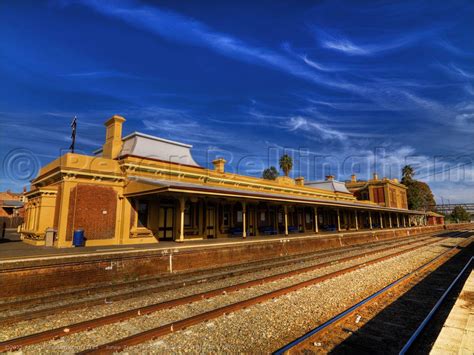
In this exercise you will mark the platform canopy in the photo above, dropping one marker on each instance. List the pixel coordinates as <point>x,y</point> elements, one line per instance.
<point>140,186</point>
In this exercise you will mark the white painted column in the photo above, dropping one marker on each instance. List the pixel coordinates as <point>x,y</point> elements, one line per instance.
<point>182,203</point>
<point>338,221</point>
<point>370,220</point>
<point>398,221</point>
<point>316,227</point>
<point>357,220</point>
<point>285,208</point>
<point>390,220</point>
<point>404,221</point>
<point>381,220</point>
<point>244,222</point>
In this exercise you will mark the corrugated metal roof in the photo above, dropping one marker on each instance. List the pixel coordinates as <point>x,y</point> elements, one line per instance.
<point>11,203</point>
<point>336,186</point>
<point>146,146</point>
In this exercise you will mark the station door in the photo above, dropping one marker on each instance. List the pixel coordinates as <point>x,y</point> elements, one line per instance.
<point>211,222</point>
<point>166,223</point>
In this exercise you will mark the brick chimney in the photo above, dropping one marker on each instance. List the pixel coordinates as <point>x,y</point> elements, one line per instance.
<point>330,178</point>
<point>219,165</point>
<point>113,137</point>
<point>299,181</point>
<point>353,178</point>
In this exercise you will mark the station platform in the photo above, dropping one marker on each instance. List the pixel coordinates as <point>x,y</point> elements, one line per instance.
<point>14,251</point>
<point>457,334</point>
<point>27,269</point>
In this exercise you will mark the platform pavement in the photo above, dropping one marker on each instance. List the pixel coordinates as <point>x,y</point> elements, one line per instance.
<point>12,248</point>
<point>457,334</point>
<point>29,270</point>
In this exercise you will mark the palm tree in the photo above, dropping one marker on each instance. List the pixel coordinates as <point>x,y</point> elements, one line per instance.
<point>286,164</point>
<point>407,173</point>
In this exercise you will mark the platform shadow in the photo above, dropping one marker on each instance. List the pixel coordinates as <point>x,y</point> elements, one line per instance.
<point>388,331</point>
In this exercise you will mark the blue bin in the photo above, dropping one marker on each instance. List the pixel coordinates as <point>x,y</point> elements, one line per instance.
<point>78,239</point>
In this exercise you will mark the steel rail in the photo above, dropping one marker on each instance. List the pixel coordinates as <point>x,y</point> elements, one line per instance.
<point>151,334</point>
<point>35,338</point>
<point>284,260</point>
<point>435,308</point>
<point>145,291</point>
<point>350,310</point>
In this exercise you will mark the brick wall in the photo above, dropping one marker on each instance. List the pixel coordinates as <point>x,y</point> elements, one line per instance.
<point>92,208</point>
<point>27,278</point>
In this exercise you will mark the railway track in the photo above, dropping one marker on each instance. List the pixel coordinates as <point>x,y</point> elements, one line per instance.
<point>33,308</point>
<point>391,319</point>
<point>197,276</point>
<point>138,338</point>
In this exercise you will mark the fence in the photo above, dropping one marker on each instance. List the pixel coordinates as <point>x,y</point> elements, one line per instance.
<point>10,222</point>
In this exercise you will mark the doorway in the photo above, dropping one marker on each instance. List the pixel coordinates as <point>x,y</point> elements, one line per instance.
<point>165,223</point>
<point>211,222</point>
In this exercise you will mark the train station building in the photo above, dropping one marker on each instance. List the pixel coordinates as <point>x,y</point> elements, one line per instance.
<point>143,189</point>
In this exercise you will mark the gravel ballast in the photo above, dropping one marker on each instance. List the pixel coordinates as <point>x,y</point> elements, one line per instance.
<point>262,327</point>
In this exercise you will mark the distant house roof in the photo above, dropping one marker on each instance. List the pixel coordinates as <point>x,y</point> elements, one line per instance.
<point>335,186</point>
<point>11,203</point>
<point>147,146</point>
<point>8,195</point>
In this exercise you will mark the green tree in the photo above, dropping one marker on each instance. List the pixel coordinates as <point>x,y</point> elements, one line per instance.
<point>286,164</point>
<point>270,173</point>
<point>419,194</point>
<point>460,214</point>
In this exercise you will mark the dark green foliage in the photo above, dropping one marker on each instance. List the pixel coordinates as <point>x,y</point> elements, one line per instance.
<point>419,194</point>
<point>286,164</point>
<point>460,214</point>
<point>270,173</point>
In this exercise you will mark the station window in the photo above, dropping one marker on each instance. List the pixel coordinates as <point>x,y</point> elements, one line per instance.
<point>142,213</point>
<point>364,195</point>
<point>239,216</point>
<point>379,196</point>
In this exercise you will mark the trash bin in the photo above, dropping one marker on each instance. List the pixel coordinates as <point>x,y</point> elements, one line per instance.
<point>78,239</point>
<point>49,237</point>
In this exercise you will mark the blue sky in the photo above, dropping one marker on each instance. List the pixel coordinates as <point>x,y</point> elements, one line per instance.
<point>342,86</point>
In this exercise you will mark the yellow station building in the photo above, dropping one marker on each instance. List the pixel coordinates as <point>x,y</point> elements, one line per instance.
<point>144,189</point>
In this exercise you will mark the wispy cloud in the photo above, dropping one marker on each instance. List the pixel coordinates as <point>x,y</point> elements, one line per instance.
<point>343,44</point>
<point>347,106</point>
<point>304,57</point>
<point>462,72</point>
<point>447,45</point>
<point>315,65</point>
<point>176,27</point>
<point>316,129</point>
<point>182,125</point>
<point>100,75</point>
